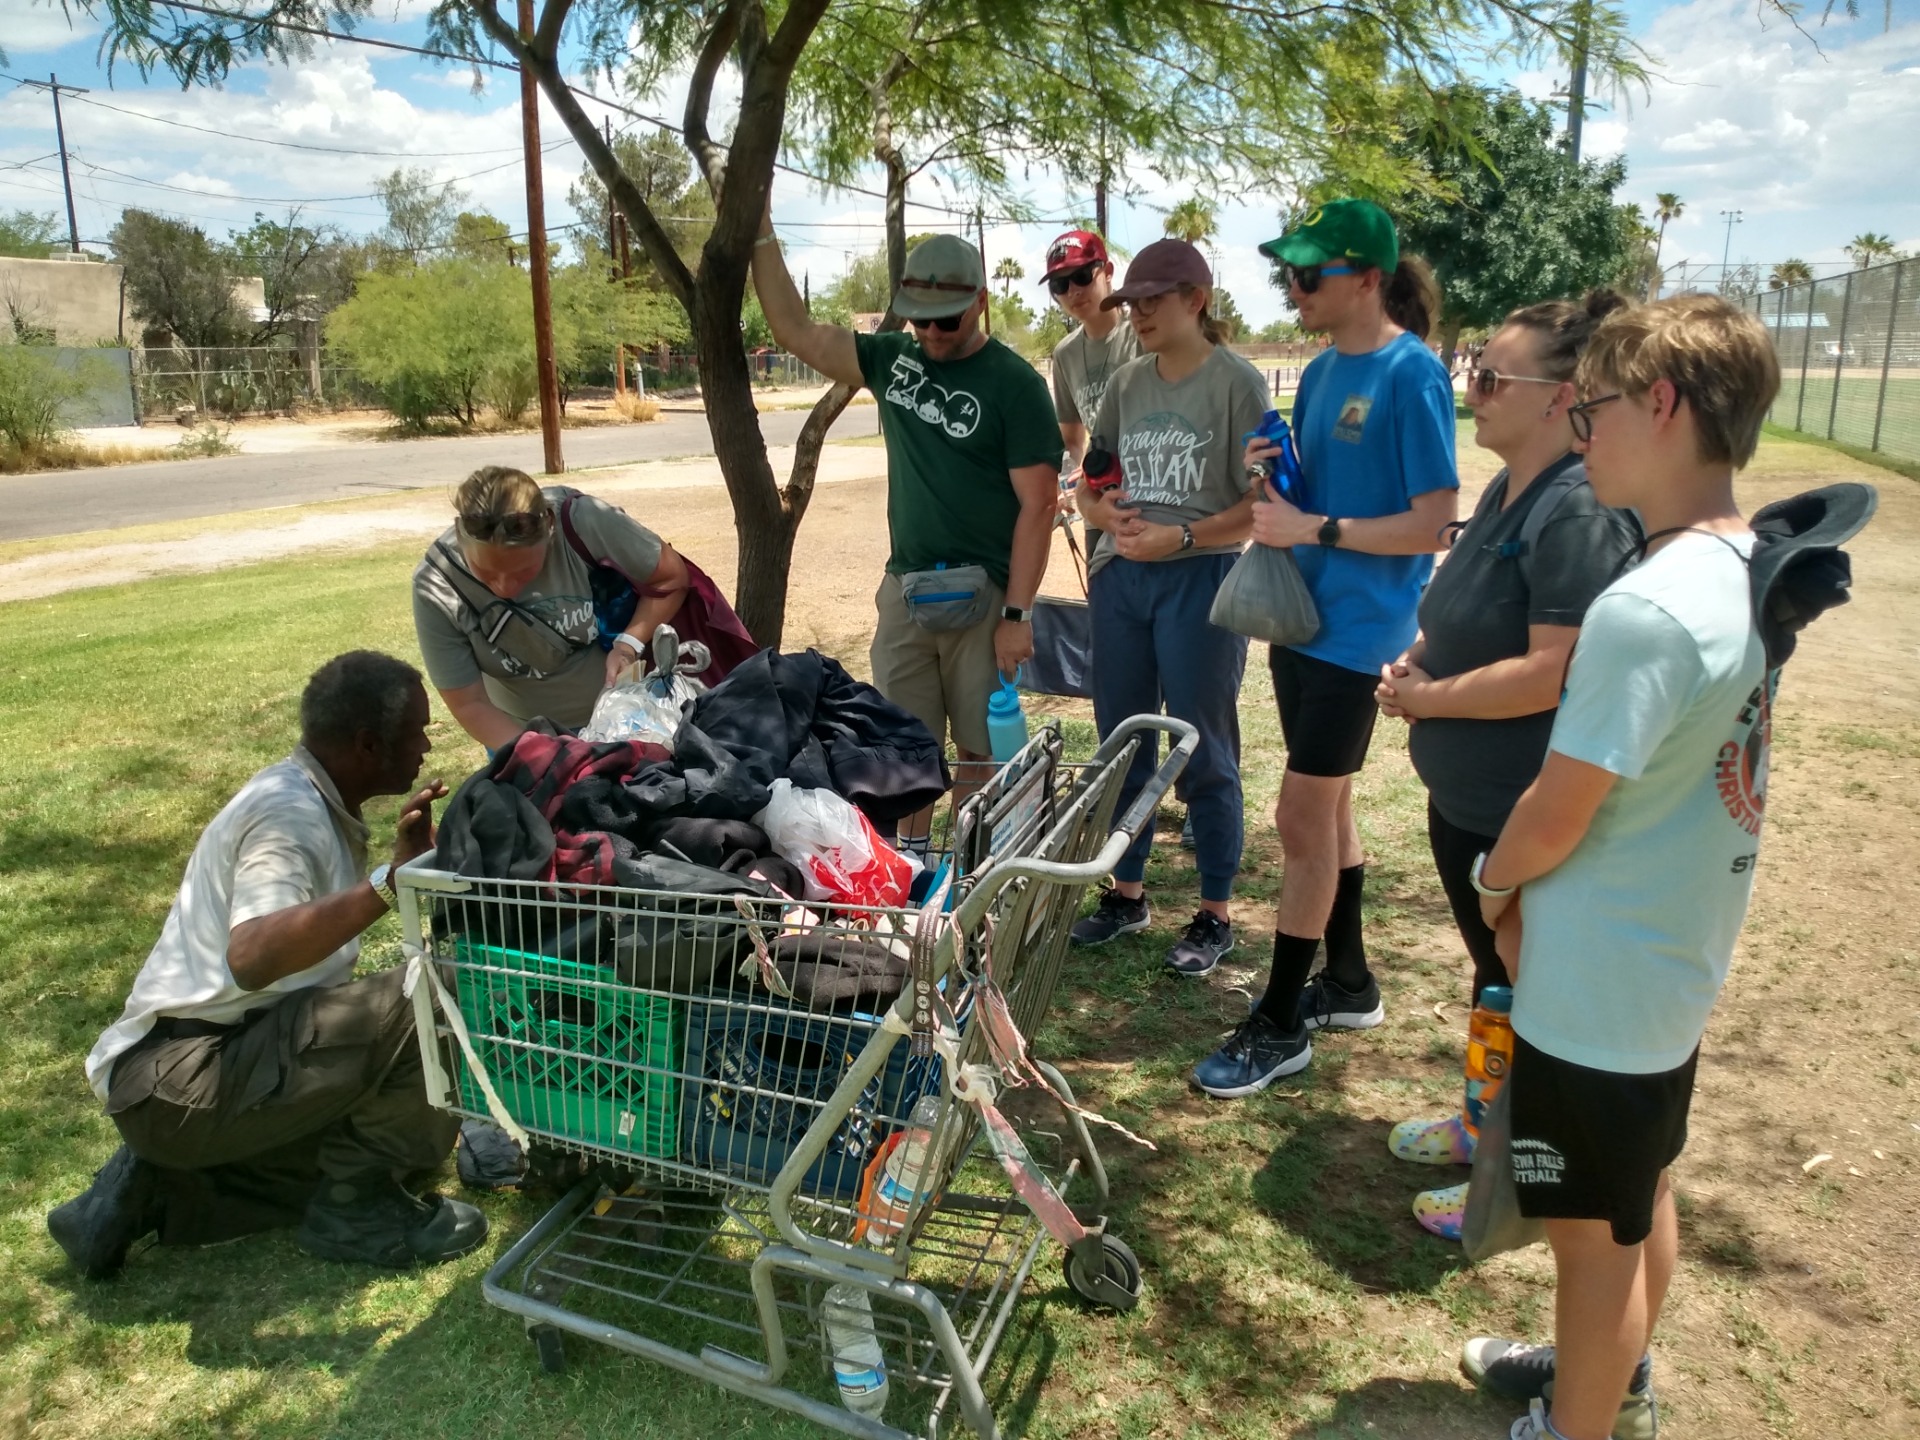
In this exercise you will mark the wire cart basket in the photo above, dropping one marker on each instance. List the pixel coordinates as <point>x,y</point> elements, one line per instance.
<point>730,1120</point>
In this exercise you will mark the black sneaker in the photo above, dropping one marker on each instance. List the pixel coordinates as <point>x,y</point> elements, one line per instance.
<point>376,1222</point>
<point>1324,1005</point>
<point>98,1227</point>
<point>1256,1054</point>
<point>1519,1371</point>
<point>1195,953</point>
<point>1113,917</point>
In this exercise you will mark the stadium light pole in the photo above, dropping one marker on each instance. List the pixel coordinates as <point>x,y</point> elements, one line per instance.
<point>1733,218</point>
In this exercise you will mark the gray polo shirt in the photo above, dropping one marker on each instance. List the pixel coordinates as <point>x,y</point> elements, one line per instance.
<point>1180,444</point>
<point>1082,366</point>
<point>457,653</point>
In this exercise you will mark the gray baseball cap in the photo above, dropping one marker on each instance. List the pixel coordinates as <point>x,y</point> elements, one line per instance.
<point>942,277</point>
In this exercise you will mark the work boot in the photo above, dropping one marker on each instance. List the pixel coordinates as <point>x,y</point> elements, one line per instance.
<point>97,1227</point>
<point>372,1219</point>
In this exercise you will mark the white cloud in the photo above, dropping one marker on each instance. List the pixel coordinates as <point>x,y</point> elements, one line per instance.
<point>43,27</point>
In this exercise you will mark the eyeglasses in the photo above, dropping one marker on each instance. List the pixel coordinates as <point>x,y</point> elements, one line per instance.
<point>1487,380</point>
<point>1581,416</point>
<point>523,528</point>
<point>1060,284</point>
<point>1308,277</point>
<point>1147,304</point>
<point>947,323</point>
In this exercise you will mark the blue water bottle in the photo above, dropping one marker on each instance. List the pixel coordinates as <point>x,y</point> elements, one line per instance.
<point>1283,469</point>
<point>1006,722</point>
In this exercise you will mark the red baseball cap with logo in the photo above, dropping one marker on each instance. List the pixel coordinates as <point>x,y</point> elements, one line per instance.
<point>1074,249</point>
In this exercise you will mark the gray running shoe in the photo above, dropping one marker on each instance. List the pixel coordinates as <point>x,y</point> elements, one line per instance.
<point>1113,917</point>
<point>1200,948</point>
<point>1324,1005</point>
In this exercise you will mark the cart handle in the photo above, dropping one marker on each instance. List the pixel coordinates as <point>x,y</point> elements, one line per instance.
<point>975,904</point>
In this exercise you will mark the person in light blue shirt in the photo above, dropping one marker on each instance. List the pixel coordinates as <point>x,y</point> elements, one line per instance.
<point>1374,424</point>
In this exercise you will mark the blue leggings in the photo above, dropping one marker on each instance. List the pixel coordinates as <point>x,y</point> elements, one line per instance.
<point>1154,648</point>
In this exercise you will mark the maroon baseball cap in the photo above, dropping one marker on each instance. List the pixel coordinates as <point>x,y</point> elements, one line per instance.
<point>1074,249</point>
<point>1164,265</point>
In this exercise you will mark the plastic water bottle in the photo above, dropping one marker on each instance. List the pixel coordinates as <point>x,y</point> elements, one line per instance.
<point>859,1369</point>
<point>1489,1052</point>
<point>1006,723</point>
<point>1282,469</point>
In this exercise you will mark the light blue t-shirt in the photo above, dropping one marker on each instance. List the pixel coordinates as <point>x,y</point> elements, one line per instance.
<point>1627,942</point>
<point>1374,431</point>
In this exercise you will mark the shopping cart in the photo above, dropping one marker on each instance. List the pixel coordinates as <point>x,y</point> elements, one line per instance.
<point>728,1129</point>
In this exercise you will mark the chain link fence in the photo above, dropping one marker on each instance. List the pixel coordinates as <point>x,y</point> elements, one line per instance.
<point>237,380</point>
<point>1849,349</point>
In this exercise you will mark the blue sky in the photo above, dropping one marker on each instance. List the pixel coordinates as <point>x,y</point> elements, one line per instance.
<point>1813,143</point>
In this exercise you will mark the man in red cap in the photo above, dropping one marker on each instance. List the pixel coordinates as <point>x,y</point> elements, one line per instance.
<point>1080,276</point>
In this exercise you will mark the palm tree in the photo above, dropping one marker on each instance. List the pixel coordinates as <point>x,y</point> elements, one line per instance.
<point>1866,249</point>
<point>1789,273</point>
<point>1008,271</point>
<point>1666,206</point>
<point>1192,221</point>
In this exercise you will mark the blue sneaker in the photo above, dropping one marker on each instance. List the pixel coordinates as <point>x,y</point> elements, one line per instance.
<point>1256,1054</point>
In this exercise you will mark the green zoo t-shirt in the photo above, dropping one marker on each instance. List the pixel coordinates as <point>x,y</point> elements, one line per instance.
<point>954,431</point>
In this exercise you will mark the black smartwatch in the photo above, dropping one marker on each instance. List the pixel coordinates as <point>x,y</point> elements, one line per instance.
<point>1330,533</point>
<point>1015,614</point>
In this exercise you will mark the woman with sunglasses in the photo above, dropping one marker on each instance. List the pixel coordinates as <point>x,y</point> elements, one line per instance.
<point>1080,277</point>
<point>1170,531</point>
<point>504,610</point>
<point>1481,684</point>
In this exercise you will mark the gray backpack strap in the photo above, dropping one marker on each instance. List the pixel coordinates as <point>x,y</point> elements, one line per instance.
<point>1541,515</point>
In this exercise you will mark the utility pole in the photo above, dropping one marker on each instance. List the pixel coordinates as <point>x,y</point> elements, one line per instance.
<point>54,87</point>
<point>545,369</point>
<point>1733,218</point>
<point>986,311</point>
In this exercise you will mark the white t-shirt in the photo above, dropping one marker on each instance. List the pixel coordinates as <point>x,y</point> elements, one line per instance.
<point>1627,943</point>
<point>285,839</point>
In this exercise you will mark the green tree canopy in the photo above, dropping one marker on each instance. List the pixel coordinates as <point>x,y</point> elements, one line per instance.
<point>1506,218</point>
<point>421,214</point>
<point>662,171</point>
<point>30,234</point>
<point>477,235</point>
<point>177,279</point>
<point>307,271</point>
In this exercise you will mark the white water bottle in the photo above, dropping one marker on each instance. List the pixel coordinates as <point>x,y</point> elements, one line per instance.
<point>859,1368</point>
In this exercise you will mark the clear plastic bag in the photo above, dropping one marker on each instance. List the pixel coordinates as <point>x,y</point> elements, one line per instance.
<point>645,704</point>
<point>834,846</point>
<point>1264,597</point>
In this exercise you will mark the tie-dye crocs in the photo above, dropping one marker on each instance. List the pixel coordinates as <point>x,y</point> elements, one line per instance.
<point>1442,1212</point>
<point>1433,1142</point>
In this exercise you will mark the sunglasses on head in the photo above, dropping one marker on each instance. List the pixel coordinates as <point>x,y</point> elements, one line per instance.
<point>948,323</point>
<point>519,529</point>
<point>1308,277</point>
<point>1486,380</point>
<point>1060,284</point>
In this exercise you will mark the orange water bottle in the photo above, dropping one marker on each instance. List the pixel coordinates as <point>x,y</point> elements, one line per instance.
<point>1489,1052</point>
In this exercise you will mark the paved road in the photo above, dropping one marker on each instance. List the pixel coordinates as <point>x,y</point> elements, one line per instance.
<point>65,502</point>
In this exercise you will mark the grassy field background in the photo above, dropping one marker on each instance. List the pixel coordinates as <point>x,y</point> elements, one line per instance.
<point>1289,1291</point>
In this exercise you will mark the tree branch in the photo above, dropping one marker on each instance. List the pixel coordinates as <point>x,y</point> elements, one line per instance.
<point>693,126</point>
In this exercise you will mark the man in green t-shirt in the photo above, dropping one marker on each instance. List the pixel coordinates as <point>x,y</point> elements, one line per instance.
<point>973,466</point>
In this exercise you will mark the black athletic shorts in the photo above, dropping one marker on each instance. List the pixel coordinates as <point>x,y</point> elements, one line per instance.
<point>1591,1144</point>
<point>1326,712</point>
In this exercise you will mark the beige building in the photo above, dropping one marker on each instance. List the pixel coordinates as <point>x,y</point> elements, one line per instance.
<point>80,300</point>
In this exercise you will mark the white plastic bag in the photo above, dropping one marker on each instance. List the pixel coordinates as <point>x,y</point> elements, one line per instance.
<point>834,847</point>
<point>646,710</point>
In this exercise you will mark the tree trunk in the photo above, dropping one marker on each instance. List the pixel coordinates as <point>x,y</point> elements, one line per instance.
<point>1449,339</point>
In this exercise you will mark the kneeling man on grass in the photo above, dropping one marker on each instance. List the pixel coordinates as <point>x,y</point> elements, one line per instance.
<point>255,1082</point>
<point>1633,854</point>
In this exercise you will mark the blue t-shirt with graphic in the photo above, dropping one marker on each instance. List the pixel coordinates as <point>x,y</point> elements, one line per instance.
<point>1374,431</point>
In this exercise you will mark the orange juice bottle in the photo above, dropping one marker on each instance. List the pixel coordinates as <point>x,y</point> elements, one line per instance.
<point>1489,1052</point>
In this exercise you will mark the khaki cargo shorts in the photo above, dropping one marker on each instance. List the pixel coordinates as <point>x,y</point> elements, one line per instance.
<point>944,677</point>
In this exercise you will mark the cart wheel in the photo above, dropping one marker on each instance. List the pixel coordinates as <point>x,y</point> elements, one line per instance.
<point>551,1348</point>
<point>1104,1272</point>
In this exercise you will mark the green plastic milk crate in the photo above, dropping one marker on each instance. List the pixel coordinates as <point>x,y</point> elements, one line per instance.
<point>570,1054</point>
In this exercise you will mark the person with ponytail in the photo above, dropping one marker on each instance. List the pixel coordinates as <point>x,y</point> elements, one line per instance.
<point>1169,531</point>
<point>1374,423</point>
<point>1497,626</point>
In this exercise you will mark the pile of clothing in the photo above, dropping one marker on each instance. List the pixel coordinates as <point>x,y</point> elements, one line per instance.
<point>566,812</point>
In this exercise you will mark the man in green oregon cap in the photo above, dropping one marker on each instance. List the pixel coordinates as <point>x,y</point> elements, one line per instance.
<point>973,473</point>
<point>1373,420</point>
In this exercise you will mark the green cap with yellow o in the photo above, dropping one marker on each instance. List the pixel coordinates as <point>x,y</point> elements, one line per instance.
<point>1356,230</point>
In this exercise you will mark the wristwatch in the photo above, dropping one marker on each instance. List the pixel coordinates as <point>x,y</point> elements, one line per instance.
<point>1186,537</point>
<point>382,881</point>
<point>1016,614</point>
<point>1479,865</point>
<point>1330,532</point>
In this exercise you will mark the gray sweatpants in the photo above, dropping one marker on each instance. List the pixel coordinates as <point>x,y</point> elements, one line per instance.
<point>245,1120</point>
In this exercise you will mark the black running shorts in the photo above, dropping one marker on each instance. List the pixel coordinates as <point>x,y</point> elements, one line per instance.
<point>1326,712</point>
<point>1591,1144</point>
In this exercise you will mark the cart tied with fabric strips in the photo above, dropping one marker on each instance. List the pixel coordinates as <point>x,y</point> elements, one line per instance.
<point>734,1097</point>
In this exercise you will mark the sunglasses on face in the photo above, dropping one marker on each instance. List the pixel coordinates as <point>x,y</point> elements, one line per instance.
<point>520,529</point>
<point>1060,284</point>
<point>1308,277</point>
<point>1581,416</point>
<point>1486,380</point>
<point>947,323</point>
